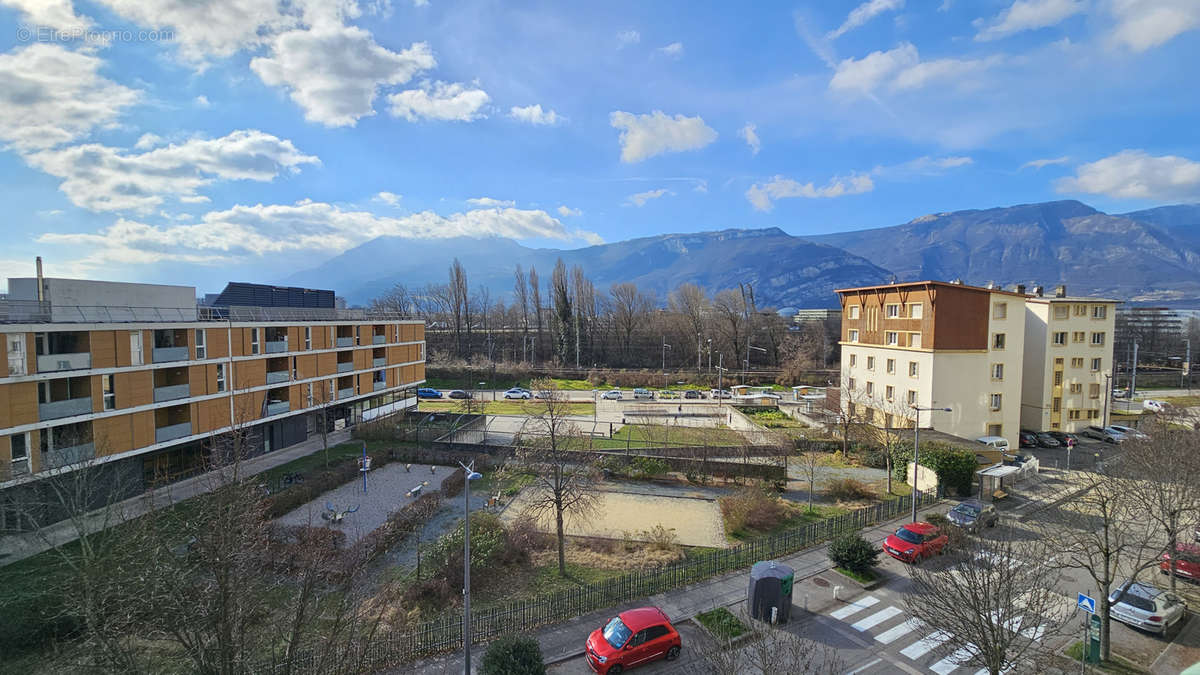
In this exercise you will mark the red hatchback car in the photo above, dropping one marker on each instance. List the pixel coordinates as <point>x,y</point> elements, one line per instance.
<point>632,638</point>
<point>914,541</point>
<point>1187,561</point>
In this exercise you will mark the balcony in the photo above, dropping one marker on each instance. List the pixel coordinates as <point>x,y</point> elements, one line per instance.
<point>345,341</point>
<point>164,354</point>
<point>65,408</point>
<point>277,407</point>
<point>345,366</point>
<point>378,339</point>
<point>172,431</point>
<point>277,376</point>
<point>378,385</point>
<point>275,347</point>
<point>48,363</point>
<point>171,392</point>
<point>345,393</point>
<point>379,361</point>
<point>68,455</point>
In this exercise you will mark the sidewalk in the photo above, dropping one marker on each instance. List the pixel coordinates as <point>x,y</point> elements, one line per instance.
<point>17,547</point>
<point>565,640</point>
<point>1051,488</point>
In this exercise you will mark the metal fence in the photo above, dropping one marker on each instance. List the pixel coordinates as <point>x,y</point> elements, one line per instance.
<point>445,633</point>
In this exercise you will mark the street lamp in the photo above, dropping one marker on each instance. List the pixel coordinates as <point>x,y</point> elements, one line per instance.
<point>469,474</point>
<point>917,452</point>
<point>482,391</point>
<point>709,356</point>
<point>747,362</point>
<point>665,347</point>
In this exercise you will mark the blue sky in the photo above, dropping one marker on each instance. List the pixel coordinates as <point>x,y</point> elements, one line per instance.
<point>197,142</point>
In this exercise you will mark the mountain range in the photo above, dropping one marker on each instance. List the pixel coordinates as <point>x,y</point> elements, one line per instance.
<point>1149,256</point>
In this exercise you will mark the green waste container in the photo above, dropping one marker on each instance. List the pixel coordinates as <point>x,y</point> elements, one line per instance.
<point>1091,650</point>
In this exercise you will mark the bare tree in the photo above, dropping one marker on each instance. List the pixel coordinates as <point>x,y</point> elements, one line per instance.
<point>549,448</point>
<point>770,650</point>
<point>996,599</point>
<point>810,462</point>
<point>521,300</point>
<point>629,307</point>
<point>459,297</point>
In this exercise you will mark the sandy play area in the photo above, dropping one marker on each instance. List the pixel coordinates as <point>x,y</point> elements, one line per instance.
<point>696,519</point>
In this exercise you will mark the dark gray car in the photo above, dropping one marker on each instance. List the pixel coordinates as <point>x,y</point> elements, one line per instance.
<point>971,514</point>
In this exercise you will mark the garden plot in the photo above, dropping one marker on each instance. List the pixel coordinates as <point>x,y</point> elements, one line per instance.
<point>628,510</point>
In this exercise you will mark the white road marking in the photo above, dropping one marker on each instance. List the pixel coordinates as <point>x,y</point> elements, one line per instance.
<point>948,664</point>
<point>923,646</point>
<point>860,669</point>
<point>876,619</point>
<point>896,633</point>
<point>855,607</point>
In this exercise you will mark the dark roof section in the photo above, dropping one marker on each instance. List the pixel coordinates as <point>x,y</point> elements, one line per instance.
<point>241,294</point>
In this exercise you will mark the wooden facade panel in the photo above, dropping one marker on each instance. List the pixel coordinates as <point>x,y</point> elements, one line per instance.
<point>296,397</point>
<point>215,413</point>
<point>326,364</point>
<point>5,451</point>
<point>217,341</point>
<point>143,428</point>
<point>362,359</point>
<point>121,346</point>
<point>22,403</point>
<point>251,373</point>
<point>4,361</point>
<point>198,380</point>
<point>248,407</point>
<point>103,344</point>
<point>134,388</point>
<point>113,434</point>
<point>97,386</point>
<point>306,366</point>
<point>5,403</point>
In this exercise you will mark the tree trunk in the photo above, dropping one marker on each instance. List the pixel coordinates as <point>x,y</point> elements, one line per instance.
<point>1105,651</point>
<point>562,547</point>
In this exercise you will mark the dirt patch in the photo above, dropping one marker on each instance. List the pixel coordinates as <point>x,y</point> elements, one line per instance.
<point>609,555</point>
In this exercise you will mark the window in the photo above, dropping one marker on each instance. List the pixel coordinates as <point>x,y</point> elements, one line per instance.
<point>1093,391</point>
<point>135,348</point>
<point>201,348</point>
<point>1058,362</point>
<point>914,310</point>
<point>998,341</point>
<point>110,397</point>
<point>914,340</point>
<point>1077,362</point>
<point>870,363</point>
<point>1099,311</point>
<point>912,397</point>
<point>852,336</point>
<point>20,453</point>
<point>1073,414</point>
<point>1095,365</point>
<point>891,337</point>
<point>997,371</point>
<point>1080,310</point>
<point>1056,406</point>
<point>358,335</point>
<point>16,354</point>
<point>1075,388</point>
<point>308,337</point>
<point>889,393</point>
<point>914,369</point>
<point>253,340</point>
<point>891,366</point>
<point>1078,336</point>
<point>1060,338</point>
<point>1000,310</point>
<point>655,632</point>
<point>1097,339</point>
<point>853,311</point>
<point>1093,413</point>
<point>870,389</point>
<point>852,383</point>
<point>996,400</point>
<point>995,430</point>
<point>853,360</point>
<point>332,342</point>
<point>892,311</point>
<point>1058,378</point>
<point>310,394</point>
<point>220,377</point>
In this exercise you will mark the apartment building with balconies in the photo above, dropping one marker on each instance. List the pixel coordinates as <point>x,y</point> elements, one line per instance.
<point>141,377</point>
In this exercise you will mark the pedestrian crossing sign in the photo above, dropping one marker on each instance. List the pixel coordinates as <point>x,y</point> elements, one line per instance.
<point>1086,603</point>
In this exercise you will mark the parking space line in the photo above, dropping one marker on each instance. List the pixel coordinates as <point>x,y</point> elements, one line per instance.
<point>855,607</point>
<point>926,644</point>
<point>896,633</point>
<point>876,619</point>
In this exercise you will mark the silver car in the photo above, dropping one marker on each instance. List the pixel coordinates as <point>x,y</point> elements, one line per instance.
<point>1106,434</point>
<point>1146,607</point>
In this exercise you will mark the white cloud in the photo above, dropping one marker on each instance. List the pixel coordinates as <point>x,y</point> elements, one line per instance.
<point>1039,163</point>
<point>147,141</point>
<point>334,72</point>
<point>701,186</point>
<point>102,178</point>
<point>1144,24</point>
<point>1025,15</point>
<point>673,50</point>
<point>488,202</point>
<point>58,14</point>
<point>566,211</point>
<point>49,96</point>
<point>211,28</point>
<point>202,101</point>
<point>761,195</point>
<point>639,200</point>
<point>440,101</point>
<point>247,232</point>
<point>628,37</point>
<point>389,198</point>
<point>533,114</point>
<point>900,69</point>
<point>645,136</point>
<point>864,13</point>
<point>750,135</point>
<point>420,3</point>
<point>922,166</point>
<point>1135,174</point>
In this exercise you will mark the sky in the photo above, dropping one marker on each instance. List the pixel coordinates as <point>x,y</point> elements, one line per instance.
<point>212,140</point>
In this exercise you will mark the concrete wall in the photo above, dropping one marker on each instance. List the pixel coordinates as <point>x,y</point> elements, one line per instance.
<point>87,293</point>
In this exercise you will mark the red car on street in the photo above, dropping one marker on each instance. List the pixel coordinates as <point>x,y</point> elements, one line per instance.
<point>632,638</point>
<point>1187,561</point>
<point>914,541</point>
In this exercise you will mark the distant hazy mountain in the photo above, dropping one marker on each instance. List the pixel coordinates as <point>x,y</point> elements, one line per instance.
<point>1182,221</point>
<point>783,269</point>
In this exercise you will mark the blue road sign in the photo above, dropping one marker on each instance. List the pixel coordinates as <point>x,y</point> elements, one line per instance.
<point>1086,603</point>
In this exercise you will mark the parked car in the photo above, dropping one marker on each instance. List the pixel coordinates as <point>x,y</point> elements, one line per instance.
<point>997,442</point>
<point>1146,607</point>
<point>611,395</point>
<point>428,392</point>
<point>1062,437</point>
<point>1106,434</point>
<point>1045,440</point>
<point>693,394</point>
<point>517,392</point>
<point>632,638</point>
<point>544,393</point>
<point>972,514</point>
<point>1120,393</point>
<point>1129,432</point>
<point>1187,561</point>
<point>722,393</point>
<point>458,393</point>
<point>640,393</point>
<point>1027,439</point>
<point>668,393</point>
<point>914,542</point>
<point>1150,405</point>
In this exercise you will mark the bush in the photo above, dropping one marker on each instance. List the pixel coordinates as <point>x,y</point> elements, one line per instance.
<point>955,468</point>
<point>849,489</point>
<point>722,623</point>
<point>752,509</point>
<point>661,538</point>
<point>850,551</point>
<point>648,467</point>
<point>513,655</point>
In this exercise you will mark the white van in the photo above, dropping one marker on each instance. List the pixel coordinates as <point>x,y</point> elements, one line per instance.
<point>998,442</point>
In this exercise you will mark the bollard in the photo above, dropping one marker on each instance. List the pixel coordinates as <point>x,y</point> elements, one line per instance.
<point>836,590</point>
<point>774,615</point>
<point>806,602</point>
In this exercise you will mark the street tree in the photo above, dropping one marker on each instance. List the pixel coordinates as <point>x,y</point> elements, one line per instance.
<point>996,599</point>
<point>549,448</point>
<point>810,460</point>
<point>769,650</point>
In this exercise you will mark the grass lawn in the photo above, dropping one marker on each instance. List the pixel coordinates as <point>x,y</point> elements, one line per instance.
<point>722,623</point>
<point>1183,401</point>
<point>797,515</point>
<point>643,436</point>
<point>1116,665</point>
<point>504,407</point>
<point>861,577</point>
<point>337,453</point>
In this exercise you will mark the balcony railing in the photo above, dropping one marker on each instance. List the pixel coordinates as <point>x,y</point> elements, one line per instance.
<point>345,366</point>
<point>172,392</point>
<point>64,408</point>
<point>162,354</point>
<point>378,339</point>
<point>278,408</point>
<point>345,393</point>
<point>69,455</point>
<point>48,363</point>
<point>172,431</point>
<point>276,347</point>
<point>379,361</point>
<point>378,385</point>
<point>345,342</point>
<point>277,376</point>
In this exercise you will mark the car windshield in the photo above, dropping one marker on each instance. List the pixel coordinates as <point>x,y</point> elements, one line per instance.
<point>967,510</point>
<point>908,535</point>
<point>616,633</point>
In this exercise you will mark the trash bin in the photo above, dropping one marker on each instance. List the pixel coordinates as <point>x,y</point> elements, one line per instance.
<point>770,594</point>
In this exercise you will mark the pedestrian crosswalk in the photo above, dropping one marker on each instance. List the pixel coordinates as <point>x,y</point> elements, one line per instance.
<point>918,643</point>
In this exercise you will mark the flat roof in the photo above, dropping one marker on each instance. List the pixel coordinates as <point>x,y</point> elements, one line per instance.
<point>999,471</point>
<point>1071,298</point>
<point>947,284</point>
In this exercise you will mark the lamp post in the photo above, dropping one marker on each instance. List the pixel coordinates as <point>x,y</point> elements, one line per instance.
<point>1108,394</point>
<point>720,373</point>
<point>469,474</point>
<point>665,347</point>
<point>917,452</point>
<point>710,356</point>
<point>747,362</point>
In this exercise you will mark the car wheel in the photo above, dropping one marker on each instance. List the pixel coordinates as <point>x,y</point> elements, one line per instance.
<point>673,653</point>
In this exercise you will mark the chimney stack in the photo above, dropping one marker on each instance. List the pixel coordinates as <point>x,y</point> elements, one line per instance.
<point>1060,291</point>
<point>1038,291</point>
<point>991,285</point>
<point>41,296</point>
<point>1021,289</point>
